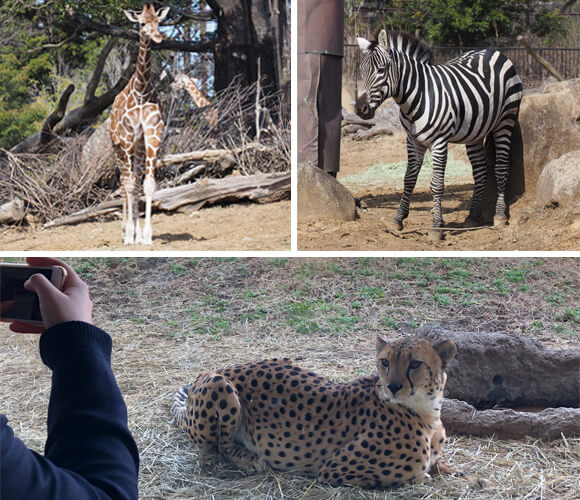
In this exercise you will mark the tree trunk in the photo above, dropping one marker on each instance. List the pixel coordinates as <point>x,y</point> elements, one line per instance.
<point>248,30</point>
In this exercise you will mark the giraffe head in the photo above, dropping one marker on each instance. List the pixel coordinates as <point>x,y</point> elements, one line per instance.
<point>148,20</point>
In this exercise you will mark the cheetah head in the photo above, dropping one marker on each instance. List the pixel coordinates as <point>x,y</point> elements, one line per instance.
<point>411,373</point>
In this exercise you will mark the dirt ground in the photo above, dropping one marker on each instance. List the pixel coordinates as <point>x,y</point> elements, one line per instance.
<point>241,226</point>
<point>171,319</point>
<point>529,228</point>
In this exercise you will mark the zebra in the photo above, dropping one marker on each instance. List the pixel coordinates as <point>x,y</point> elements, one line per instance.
<point>462,101</point>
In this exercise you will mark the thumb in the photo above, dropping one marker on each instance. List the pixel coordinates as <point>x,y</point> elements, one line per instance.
<point>39,284</point>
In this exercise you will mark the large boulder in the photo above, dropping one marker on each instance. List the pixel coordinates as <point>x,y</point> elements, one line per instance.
<point>550,126</point>
<point>322,197</point>
<point>497,369</point>
<point>559,183</point>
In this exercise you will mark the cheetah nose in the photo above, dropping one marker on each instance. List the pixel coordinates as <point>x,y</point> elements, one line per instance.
<point>394,388</point>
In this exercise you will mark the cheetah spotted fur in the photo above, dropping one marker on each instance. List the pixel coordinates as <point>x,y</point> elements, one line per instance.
<point>374,431</point>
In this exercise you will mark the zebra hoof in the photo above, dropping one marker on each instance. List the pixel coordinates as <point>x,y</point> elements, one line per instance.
<point>395,224</point>
<point>470,222</point>
<point>500,221</point>
<point>435,234</point>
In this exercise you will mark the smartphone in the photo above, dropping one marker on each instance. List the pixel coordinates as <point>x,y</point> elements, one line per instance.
<point>18,304</point>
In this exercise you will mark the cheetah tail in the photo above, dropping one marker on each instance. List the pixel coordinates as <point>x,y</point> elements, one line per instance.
<point>179,405</point>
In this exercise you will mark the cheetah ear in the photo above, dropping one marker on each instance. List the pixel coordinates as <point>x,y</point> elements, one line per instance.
<point>446,350</point>
<point>384,40</point>
<point>380,344</point>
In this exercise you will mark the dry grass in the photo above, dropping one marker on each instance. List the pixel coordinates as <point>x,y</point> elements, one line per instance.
<point>172,318</point>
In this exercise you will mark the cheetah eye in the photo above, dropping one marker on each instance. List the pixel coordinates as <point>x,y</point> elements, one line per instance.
<point>415,364</point>
<point>385,362</point>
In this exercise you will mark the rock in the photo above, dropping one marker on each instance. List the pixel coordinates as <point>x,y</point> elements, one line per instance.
<point>550,126</point>
<point>322,197</point>
<point>496,369</point>
<point>559,183</point>
<point>460,417</point>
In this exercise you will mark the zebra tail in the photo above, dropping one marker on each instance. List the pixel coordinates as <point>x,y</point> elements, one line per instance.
<point>179,405</point>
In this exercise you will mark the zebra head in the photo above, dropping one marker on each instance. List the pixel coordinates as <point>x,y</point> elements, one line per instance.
<point>376,78</point>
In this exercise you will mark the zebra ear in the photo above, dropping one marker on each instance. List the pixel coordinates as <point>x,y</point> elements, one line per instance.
<point>363,43</point>
<point>384,40</point>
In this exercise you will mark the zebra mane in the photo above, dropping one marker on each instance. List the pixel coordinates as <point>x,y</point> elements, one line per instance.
<point>407,44</point>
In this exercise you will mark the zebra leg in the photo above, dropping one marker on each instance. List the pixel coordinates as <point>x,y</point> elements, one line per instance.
<point>502,136</point>
<point>476,155</point>
<point>439,153</point>
<point>415,154</point>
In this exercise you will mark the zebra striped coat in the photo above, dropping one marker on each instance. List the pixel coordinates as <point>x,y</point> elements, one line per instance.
<point>462,101</point>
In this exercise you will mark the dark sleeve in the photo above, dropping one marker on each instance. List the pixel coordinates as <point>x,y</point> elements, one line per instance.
<point>89,451</point>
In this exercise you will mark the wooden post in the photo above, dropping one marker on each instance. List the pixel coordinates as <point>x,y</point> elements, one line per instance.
<point>540,59</point>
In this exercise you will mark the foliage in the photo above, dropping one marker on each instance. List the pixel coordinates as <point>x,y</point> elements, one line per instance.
<point>461,22</point>
<point>42,52</point>
<point>32,75</point>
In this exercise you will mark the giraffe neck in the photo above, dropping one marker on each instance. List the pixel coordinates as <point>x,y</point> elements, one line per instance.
<point>142,75</point>
<point>198,98</point>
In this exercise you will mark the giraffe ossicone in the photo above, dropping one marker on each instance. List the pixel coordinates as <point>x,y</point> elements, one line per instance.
<point>136,129</point>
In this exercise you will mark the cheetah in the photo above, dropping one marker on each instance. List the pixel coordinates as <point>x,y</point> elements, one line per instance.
<point>374,432</point>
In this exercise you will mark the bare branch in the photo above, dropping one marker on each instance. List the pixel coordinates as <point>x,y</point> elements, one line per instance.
<point>195,16</point>
<point>112,30</point>
<point>98,71</point>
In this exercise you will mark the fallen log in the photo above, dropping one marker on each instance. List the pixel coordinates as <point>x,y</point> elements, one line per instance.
<point>12,211</point>
<point>208,154</point>
<point>460,417</point>
<point>259,187</point>
<point>262,188</point>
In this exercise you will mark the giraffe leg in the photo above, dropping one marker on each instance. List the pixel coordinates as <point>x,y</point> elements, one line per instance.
<point>138,167</point>
<point>149,190</point>
<point>128,182</point>
<point>152,138</point>
<point>128,191</point>
<point>415,154</point>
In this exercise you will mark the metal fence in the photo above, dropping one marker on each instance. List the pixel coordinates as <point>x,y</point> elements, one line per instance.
<point>532,73</point>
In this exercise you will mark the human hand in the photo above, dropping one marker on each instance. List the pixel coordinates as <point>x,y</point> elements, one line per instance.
<point>73,303</point>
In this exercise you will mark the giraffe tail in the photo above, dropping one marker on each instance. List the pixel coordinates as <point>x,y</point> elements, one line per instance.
<point>179,405</point>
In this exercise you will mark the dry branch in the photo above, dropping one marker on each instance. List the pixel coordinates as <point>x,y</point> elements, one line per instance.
<point>460,417</point>
<point>260,187</point>
<point>208,154</point>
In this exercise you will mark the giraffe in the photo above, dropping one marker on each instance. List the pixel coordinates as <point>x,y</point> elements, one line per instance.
<point>186,82</point>
<point>136,129</point>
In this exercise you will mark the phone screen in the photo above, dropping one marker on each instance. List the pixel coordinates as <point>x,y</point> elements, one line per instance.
<point>16,302</point>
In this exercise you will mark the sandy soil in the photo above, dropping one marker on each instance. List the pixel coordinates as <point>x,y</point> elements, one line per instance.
<point>530,228</point>
<point>242,226</point>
